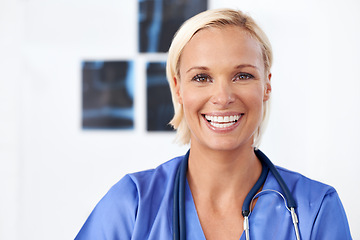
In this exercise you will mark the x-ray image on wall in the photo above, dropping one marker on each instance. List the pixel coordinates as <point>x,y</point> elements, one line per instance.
<point>159,103</point>
<point>107,94</point>
<point>159,20</point>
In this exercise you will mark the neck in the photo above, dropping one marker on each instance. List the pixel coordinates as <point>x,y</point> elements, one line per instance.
<point>222,176</point>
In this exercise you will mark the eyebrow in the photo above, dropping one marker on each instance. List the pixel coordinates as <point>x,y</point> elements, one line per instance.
<point>237,67</point>
<point>246,65</point>
<point>197,68</point>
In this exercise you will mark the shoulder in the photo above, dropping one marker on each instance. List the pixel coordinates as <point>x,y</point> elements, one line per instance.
<point>118,211</point>
<point>146,180</point>
<point>115,211</point>
<point>135,185</point>
<point>304,187</point>
<point>319,204</point>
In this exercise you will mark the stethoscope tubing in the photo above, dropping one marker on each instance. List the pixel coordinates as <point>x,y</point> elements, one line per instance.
<point>179,222</point>
<point>179,230</point>
<point>176,226</point>
<point>246,207</point>
<point>288,196</point>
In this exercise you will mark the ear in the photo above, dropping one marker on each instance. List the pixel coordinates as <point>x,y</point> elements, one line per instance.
<point>267,88</point>
<point>177,90</point>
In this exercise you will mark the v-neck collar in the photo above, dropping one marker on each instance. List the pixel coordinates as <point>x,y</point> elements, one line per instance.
<point>193,227</point>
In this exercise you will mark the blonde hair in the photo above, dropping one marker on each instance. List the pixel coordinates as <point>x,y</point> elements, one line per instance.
<point>212,18</point>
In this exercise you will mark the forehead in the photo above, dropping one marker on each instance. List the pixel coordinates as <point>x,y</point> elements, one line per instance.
<point>226,45</point>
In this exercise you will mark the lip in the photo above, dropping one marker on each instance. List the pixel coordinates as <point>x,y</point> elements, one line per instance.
<point>223,126</point>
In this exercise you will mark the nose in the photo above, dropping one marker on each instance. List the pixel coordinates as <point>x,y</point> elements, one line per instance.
<point>223,93</point>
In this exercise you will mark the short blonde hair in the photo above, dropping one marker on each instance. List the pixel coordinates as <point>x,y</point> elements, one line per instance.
<point>212,18</point>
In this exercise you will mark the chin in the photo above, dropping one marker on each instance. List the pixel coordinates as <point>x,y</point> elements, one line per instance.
<point>226,145</point>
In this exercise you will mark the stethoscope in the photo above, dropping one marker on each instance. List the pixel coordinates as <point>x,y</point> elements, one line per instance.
<point>179,224</point>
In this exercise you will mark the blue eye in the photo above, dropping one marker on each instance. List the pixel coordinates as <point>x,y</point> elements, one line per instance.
<point>201,78</point>
<point>243,76</point>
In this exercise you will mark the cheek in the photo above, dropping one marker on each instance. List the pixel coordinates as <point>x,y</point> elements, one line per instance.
<point>253,101</point>
<point>193,101</point>
<point>253,94</point>
<point>190,101</point>
<point>189,94</point>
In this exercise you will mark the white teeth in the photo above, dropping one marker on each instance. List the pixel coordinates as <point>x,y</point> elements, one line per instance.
<point>222,121</point>
<point>222,125</point>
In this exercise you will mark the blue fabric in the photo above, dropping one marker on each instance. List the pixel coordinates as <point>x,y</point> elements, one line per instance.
<point>140,207</point>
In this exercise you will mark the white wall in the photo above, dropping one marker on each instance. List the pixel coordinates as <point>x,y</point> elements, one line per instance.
<point>52,173</point>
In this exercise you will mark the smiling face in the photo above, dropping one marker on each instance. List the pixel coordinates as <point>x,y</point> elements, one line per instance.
<point>222,87</point>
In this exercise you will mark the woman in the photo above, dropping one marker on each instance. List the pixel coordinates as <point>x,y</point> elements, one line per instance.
<point>219,73</point>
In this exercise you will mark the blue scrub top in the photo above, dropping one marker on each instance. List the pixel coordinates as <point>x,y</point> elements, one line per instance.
<point>140,206</point>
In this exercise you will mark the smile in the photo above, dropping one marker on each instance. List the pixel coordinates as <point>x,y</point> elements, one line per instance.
<point>222,121</point>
